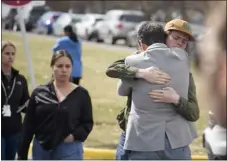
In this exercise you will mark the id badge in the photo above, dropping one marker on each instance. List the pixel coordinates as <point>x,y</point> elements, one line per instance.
<point>6,111</point>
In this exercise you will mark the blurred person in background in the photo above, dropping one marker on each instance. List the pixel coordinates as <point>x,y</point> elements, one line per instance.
<point>212,69</point>
<point>178,35</point>
<point>59,114</point>
<point>15,97</point>
<point>72,44</point>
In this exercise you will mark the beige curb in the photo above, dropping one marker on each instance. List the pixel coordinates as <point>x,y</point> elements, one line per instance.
<point>93,153</point>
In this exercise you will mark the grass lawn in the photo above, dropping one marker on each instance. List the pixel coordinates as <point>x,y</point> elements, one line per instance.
<point>106,102</point>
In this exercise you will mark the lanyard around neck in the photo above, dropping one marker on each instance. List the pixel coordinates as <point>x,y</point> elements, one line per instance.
<point>11,92</point>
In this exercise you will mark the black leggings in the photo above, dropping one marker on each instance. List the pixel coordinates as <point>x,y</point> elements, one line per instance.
<point>76,80</point>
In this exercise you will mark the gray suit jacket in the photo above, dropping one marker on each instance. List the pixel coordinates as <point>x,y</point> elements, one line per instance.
<point>148,121</point>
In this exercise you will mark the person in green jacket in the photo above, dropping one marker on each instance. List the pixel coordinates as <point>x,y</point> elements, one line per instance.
<point>186,108</point>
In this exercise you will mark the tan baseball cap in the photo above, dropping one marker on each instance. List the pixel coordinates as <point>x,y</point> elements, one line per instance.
<point>180,25</point>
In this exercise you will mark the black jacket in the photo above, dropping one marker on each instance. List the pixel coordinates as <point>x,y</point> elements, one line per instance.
<point>51,122</point>
<point>19,98</point>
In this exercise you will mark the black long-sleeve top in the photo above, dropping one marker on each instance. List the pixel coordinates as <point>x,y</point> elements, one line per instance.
<point>51,122</point>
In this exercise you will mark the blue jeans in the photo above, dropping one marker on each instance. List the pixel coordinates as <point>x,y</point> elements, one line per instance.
<point>64,151</point>
<point>9,145</point>
<point>121,154</point>
<point>182,153</point>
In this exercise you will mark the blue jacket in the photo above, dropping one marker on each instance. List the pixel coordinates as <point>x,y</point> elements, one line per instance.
<point>65,43</point>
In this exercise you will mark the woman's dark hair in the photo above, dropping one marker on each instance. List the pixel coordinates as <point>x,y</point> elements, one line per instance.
<point>58,54</point>
<point>7,43</point>
<point>72,35</point>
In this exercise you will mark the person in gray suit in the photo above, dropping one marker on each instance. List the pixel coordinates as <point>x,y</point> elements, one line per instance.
<point>155,130</point>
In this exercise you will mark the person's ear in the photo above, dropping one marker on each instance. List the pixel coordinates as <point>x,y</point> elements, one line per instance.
<point>144,46</point>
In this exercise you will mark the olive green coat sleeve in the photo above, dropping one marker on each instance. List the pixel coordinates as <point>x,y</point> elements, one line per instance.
<point>119,70</point>
<point>189,109</point>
